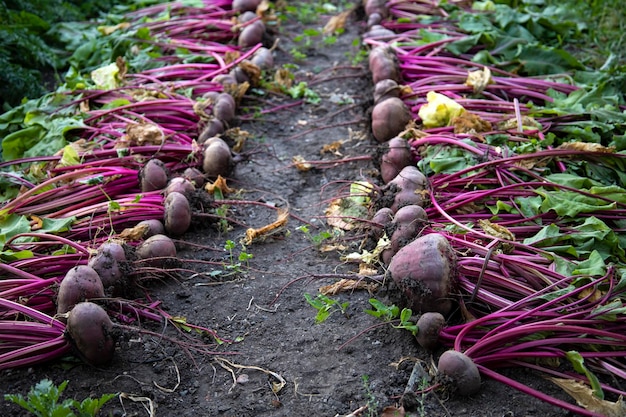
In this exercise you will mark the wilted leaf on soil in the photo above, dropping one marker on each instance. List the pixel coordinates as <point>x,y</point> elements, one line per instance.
<point>585,397</point>
<point>220,184</point>
<point>263,232</point>
<point>301,164</point>
<point>391,411</point>
<point>336,23</point>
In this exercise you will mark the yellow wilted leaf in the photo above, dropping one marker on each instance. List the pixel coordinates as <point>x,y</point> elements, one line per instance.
<point>107,30</point>
<point>439,110</point>
<point>584,396</point>
<point>220,183</point>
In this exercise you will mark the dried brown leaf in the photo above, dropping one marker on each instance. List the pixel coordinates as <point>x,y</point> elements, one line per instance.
<point>261,233</point>
<point>586,147</point>
<point>344,285</point>
<point>335,216</point>
<point>479,80</point>
<point>301,164</point>
<point>141,134</point>
<point>332,148</point>
<point>470,123</point>
<point>283,78</point>
<point>231,56</point>
<point>391,411</point>
<point>220,183</point>
<point>134,233</point>
<point>585,397</point>
<point>336,23</point>
<point>252,71</point>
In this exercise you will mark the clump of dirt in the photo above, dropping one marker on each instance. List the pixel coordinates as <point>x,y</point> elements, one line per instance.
<point>280,362</point>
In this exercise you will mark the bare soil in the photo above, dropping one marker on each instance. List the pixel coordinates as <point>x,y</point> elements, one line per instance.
<point>329,369</point>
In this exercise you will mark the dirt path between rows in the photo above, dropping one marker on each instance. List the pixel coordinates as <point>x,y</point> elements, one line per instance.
<point>263,309</point>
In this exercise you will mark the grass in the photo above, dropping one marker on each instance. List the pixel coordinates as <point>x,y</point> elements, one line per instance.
<point>604,30</point>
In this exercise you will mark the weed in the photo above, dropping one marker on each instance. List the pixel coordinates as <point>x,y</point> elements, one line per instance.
<point>325,306</point>
<point>372,402</point>
<point>235,265</point>
<point>392,312</point>
<point>357,54</point>
<point>222,223</point>
<point>43,401</point>
<point>302,90</point>
<point>315,239</point>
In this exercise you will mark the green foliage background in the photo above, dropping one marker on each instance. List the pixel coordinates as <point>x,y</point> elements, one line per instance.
<point>31,54</point>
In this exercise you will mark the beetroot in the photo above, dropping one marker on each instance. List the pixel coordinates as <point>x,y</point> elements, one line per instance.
<point>376,6</point>
<point>224,107</point>
<point>180,185</point>
<point>251,34</point>
<point>195,176</point>
<point>212,128</point>
<point>410,187</point>
<point>459,372</point>
<point>381,219</point>
<point>407,224</point>
<point>424,270</point>
<point>383,64</point>
<point>152,227</point>
<point>429,326</point>
<point>397,156</point>
<point>385,89</point>
<point>80,283</point>
<point>389,117</point>
<point>218,159</point>
<point>157,246</point>
<point>245,5</point>
<point>177,214</point>
<point>153,176</point>
<point>91,331</point>
<point>263,58</point>
<point>107,262</point>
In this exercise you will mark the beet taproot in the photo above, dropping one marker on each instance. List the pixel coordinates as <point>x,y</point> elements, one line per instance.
<point>389,117</point>
<point>407,224</point>
<point>157,250</point>
<point>91,331</point>
<point>218,159</point>
<point>80,283</point>
<point>429,326</point>
<point>425,271</point>
<point>396,157</point>
<point>458,371</point>
<point>245,5</point>
<point>409,187</point>
<point>107,262</point>
<point>383,64</point>
<point>153,176</point>
<point>251,34</point>
<point>177,214</point>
